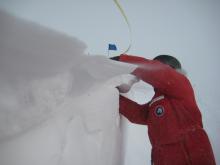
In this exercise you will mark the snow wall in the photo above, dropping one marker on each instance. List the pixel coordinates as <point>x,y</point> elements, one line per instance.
<point>58,106</point>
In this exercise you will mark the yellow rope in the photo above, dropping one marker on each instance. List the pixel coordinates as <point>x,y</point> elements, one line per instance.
<point>129,27</point>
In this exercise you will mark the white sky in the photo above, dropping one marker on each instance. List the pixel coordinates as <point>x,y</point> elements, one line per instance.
<point>187,29</point>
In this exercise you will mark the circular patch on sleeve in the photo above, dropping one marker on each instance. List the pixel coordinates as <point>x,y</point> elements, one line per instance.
<point>159,111</point>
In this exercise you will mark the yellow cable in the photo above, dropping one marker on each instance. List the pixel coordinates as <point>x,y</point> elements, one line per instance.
<point>129,27</point>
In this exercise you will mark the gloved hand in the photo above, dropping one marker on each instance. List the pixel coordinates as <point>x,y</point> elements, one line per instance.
<point>116,58</point>
<point>125,87</point>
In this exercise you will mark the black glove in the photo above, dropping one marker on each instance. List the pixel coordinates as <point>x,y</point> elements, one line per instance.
<point>116,58</point>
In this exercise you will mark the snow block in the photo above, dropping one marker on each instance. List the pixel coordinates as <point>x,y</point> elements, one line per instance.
<point>57,105</point>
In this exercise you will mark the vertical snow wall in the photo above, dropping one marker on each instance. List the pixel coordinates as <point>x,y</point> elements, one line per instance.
<point>57,105</point>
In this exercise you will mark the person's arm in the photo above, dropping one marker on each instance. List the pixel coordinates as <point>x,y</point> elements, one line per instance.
<point>128,59</point>
<point>160,76</point>
<point>134,112</point>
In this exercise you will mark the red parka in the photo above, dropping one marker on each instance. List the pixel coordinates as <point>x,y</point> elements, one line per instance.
<point>173,118</point>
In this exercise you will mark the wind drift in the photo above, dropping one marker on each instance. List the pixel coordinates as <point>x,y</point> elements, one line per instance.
<point>57,105</point>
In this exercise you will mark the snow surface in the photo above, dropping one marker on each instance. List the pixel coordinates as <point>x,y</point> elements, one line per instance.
<point>57,105</point>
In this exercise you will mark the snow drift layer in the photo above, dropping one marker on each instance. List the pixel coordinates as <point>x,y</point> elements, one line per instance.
<point>57,105</point>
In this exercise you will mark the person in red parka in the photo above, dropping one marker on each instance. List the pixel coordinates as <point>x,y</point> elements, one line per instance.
<point>173,118</point>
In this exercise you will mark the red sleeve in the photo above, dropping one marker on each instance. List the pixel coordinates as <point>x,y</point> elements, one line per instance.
<point>134,112</point>
<point>161,76</point>
<point>131,59</point>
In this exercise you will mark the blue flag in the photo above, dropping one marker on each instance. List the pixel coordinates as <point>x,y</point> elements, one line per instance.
<point>112,47</point>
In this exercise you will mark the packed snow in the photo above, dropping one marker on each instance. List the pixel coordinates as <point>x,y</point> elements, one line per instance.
<point>57,106</point>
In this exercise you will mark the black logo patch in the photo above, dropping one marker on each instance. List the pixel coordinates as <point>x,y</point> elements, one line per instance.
<point>159,111</point>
